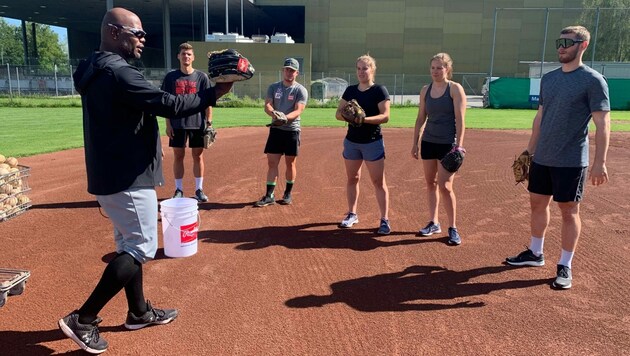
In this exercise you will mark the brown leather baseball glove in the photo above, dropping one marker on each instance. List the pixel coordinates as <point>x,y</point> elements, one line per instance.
<point>353,113</point>
<point>520,167</point>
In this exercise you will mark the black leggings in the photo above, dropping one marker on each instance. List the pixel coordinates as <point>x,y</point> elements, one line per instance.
<point>125,272</point>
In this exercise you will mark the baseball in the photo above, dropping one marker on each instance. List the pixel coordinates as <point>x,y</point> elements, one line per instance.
<point>23,199</point>
<point>2,158</point>
<point>11,201</point>
<point>3,171</point>
<point>5,166</point>
<point>12,161</point>
<point>6,189</point>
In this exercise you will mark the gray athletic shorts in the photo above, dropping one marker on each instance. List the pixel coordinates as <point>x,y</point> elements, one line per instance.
<point>134,214</point>
<point>372,151</point>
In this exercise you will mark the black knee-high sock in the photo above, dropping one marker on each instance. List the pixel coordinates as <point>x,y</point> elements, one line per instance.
<point>116,275</point>
<point>135,293</point>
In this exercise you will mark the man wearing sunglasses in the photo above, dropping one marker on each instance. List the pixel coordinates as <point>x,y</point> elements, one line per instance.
<point>569,97</point>
<point>123,158</point>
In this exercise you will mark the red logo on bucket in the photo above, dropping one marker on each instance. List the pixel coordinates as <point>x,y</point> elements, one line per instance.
<point>188,233</point>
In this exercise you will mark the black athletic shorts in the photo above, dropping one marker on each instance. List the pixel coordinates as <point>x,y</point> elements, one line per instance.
<point>283,142</point>
<point>566,184</point>
<point>430,150</point>
<point>180,136</point>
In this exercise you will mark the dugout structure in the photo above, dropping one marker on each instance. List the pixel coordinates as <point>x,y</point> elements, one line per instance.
<point>328,88</point>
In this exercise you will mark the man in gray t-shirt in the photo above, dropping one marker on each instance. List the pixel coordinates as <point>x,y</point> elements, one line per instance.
<point>569,97</point>
<point>289,97</point>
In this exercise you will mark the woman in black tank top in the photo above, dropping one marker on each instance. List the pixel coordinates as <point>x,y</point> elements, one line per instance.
<point>440,123</point>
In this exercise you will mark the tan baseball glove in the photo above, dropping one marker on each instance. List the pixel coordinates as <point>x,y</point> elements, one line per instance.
<point>520,167</point>
<point>353,113</point>
<point>278,118</point>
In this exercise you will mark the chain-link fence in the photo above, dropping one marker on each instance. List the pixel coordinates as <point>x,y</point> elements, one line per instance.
<point>16,81</point>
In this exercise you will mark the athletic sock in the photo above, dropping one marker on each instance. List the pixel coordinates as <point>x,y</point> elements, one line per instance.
<point>179,184</point>
<point>199,183</point>
<point>289,187</point>
<point>566,257</point>
<point>536,245</point>
<point>271,186</point>
<point>134,292</point>
<point>116,276</point>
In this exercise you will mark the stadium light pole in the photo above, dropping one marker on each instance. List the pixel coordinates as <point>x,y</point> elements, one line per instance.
<point>227,19</point>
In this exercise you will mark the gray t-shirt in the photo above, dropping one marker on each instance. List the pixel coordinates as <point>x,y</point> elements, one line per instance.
<point>284,99</point>
<point>568,99</point>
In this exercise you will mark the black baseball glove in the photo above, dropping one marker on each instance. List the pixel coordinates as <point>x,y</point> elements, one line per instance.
<point>454,159</point>
<point>228,66</point>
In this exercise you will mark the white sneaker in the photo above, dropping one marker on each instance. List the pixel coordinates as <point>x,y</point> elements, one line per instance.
<point>349,220</point>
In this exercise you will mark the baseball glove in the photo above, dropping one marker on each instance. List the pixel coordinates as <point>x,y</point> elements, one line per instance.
<point>454,159</point>
<point>209,136</point>
<point>353,113</point>
<point>520,167</point>
<point>228,66</point>
<point>278,118</point>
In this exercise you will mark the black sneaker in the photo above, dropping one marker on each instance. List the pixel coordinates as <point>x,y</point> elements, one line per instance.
<point>85,335</point>
<point>201,196</point>
<point>264,201</point>
<point>286,200</point>
<point>526,258</point>
<point>178,193</point>
<point>153,316</point>
<point>563,278</point>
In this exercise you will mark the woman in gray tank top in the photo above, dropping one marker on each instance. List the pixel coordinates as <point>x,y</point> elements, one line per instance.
<point>440,123</point>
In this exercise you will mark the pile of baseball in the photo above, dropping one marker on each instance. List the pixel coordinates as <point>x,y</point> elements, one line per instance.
<point>11,187</point>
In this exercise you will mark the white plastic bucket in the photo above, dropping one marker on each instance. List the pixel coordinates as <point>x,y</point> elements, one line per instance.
<point>180,224</point>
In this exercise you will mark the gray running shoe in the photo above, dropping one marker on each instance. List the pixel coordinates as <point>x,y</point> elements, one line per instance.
<point>384,228</point>
<point>264,201</point>
<point>563,278</point>
<point>85,335</point>
<point>349,220</point>
<point>453,237</point>
<point>286,200</point>
<point>526,258</point>
<point>153,316</point>
<point>430,229</point>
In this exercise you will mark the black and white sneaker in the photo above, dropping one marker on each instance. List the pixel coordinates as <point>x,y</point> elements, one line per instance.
<point>178,193</point>
<point>85,335</point>
<point>201,196</point>
<point>153,316</point>
<point>526,258</point>
<point>563,278</point>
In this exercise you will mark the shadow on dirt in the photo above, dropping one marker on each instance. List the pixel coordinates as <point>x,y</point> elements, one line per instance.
<point>29,342</point>
<point>316,235</point>
<point>416,288</point>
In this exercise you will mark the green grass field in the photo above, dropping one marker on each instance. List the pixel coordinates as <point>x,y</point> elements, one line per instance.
<point>29,131</point>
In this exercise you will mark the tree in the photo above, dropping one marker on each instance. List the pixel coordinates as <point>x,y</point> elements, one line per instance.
<point>49,50</point>
<point>613,29</point>
<point>11,50</point>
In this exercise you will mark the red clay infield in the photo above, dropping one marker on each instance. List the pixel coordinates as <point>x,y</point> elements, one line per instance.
<point>284,280</point>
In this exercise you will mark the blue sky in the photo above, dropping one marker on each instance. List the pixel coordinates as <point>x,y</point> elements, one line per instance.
<point>61,31</point>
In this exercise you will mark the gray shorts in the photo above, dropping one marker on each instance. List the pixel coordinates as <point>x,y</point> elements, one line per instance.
<point>372,151</point>
<point>134,214</point>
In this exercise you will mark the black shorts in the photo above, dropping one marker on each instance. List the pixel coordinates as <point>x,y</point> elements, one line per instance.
<point>283,142</point>
<point>566,184</point>
<point>193,136</point>
<point>430,150</point>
